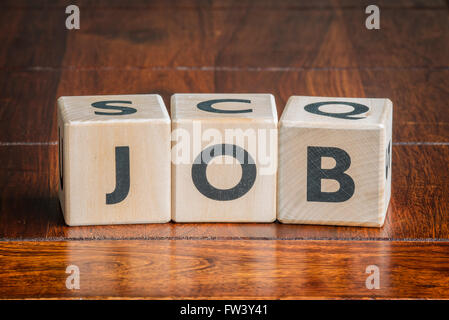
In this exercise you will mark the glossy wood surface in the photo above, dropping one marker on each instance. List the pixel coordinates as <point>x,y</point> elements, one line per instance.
<point>219,269</point>
<point>286,48</point>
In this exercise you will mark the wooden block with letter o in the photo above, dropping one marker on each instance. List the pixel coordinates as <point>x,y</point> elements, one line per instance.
<point>224,157</point>
<point>114,154</point>
<point>335,161</point>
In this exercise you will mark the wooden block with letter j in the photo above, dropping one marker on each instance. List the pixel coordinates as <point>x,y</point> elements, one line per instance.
<point>224,157</point>
<point>114,155</point>
<point>335,161</point>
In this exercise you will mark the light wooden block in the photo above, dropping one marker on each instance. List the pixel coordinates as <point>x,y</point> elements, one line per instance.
<point>114,156</point>
<point>335,161</point>
<point>226,185</point>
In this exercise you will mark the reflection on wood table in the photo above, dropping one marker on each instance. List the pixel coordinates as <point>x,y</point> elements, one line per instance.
<point>220,269</point>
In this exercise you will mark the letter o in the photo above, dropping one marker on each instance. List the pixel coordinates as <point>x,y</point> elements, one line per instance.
<point>199,177</point>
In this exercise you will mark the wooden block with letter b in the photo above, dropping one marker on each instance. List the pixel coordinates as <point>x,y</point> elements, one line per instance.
<point>335,161</point>
<point>114,155</point>
<point>224,157</point>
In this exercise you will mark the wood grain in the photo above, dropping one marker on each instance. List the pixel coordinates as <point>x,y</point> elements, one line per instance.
<point>28,202</point>
<point>224,269</point>
<point>28,106</point>
<point>411,91</point>
<point>228,39</point>
<point>214,35</point>
<point>418,95</point>
<point>218,4</point>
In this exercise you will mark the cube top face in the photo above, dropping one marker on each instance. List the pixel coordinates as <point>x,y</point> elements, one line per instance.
<point>223,106</point>
<point>331,112</point>
<point>112,108</point>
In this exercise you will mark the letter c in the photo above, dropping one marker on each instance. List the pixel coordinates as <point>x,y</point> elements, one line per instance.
<point>207,106</point>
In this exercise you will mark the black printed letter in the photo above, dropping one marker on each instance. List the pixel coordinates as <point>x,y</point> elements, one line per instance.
<point>61,159</point>
<point>315,173</point>
<point>199,176</point>
<point>358,109</point>
<point>207,106</point>
<point>121,176</point>
<point>105,105</point>
<point>387,160</point>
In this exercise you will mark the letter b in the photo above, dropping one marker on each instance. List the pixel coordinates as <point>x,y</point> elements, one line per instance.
<point>315,173</point>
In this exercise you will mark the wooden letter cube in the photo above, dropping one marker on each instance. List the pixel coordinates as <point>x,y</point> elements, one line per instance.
<point>335,161</point>
<point>114,156</point>
<point>224,157</point>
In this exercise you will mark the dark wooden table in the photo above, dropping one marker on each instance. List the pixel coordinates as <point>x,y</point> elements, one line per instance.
<point>285,48</point>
